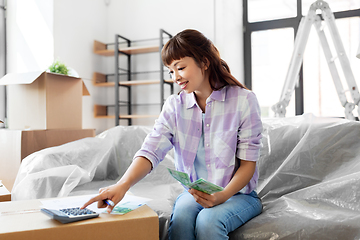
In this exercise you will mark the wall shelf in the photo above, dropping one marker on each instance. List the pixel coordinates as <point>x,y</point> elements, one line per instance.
<point>101,49</point>
<point>101,80</point>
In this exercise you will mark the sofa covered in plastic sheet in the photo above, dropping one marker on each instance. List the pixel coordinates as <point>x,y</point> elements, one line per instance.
<point>309,176</point>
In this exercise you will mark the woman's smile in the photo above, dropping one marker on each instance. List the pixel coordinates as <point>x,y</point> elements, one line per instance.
<point>183,84</point>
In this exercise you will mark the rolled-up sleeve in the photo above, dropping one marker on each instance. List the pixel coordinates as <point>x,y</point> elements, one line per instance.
<point>159,141</point>
<point>249,133</point>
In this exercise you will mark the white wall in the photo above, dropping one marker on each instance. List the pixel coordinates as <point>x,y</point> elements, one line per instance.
<point>229,35</point>
<point>2,105</point>
<point>29,37</point>
<point>2,64</point>
<point>76,24</point>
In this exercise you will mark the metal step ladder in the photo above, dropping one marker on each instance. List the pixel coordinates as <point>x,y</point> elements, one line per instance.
<point>292,77</point>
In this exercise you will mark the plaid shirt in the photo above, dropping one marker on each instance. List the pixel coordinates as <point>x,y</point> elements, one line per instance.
<point>232,129</point>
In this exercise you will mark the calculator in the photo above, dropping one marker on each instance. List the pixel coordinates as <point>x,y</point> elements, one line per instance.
<point>68,215</point>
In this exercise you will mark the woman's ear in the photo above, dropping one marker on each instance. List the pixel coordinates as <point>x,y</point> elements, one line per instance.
<point>206,63</point>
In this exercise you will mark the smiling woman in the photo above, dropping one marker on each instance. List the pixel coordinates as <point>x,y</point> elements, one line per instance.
<point>213,110</point>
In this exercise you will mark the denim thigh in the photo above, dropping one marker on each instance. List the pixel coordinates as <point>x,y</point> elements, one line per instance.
<point>190,220</point>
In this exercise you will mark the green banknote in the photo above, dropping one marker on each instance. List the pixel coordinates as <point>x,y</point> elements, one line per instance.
<point>180,176</point>
<point>200,184</point>
<point>205,186</point>
<point>125,208</point>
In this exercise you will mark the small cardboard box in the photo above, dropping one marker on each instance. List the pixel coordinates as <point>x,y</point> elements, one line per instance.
<point>23,220</point>
<point>15,145</point>
<point>43,100</point>
<point>4,193</point>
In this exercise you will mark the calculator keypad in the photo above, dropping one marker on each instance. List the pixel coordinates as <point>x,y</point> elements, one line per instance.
<point>72,212</point>
<point>68,215</point>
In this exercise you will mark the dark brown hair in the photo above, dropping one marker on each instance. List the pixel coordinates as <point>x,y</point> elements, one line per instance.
<point>192,43</point>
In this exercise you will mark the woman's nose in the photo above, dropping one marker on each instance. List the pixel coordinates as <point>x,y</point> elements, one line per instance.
<point>176,77</point>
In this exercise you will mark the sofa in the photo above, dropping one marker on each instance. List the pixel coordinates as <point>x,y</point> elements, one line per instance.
<point>309,176</point>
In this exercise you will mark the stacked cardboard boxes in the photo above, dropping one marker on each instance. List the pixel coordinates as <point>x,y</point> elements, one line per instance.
<point>44,110</point>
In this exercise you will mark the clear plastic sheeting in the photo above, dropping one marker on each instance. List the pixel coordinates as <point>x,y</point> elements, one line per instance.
<point>309,177</point>
<point>56,171</point>
<point>310,180</point>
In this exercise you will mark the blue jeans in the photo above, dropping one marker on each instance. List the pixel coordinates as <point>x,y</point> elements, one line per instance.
<point>190,220</point>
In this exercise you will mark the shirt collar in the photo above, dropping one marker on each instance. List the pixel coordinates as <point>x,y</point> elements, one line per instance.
<point>218,95</point>
<point>190,100</point>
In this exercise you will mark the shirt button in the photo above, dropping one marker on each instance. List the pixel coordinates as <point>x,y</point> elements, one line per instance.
<point>207,145</point>
<point>207,125</point>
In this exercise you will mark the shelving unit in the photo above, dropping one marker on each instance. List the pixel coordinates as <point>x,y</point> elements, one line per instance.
<point>101,80</point>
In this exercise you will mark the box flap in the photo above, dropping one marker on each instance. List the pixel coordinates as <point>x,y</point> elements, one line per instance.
<point>30,77</point>
<point>20,78</point>
<point>85,91</point>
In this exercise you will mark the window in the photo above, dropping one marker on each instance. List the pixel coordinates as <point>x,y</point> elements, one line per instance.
<point>270,28</point>
<point>261,10</point>
<point>335,5</point>
<point>271,53</point>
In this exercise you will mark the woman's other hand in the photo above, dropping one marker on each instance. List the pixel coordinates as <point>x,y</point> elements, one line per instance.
<point>208,200</point>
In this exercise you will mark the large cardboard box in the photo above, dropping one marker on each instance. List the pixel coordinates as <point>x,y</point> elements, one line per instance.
<point>15,145</point>
<point>23,220</point>
<point>4,193</point>
<point>43,100</point>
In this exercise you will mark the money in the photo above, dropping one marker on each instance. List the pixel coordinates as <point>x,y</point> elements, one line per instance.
<point>205,186</point>
<point>180,176</point>
<point>125,208</point>
<point>200,184</point>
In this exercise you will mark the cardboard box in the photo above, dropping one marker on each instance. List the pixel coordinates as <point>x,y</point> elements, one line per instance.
<point>4,193</point>
<point>43,100</point>
<point>23,220</point>
<point>15,145</point>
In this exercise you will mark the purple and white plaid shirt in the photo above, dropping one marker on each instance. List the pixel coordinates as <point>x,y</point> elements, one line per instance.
<point>232,129</point>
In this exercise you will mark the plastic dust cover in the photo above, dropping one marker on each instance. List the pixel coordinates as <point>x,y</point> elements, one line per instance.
<point>309,180</point>
<point>56,171</point>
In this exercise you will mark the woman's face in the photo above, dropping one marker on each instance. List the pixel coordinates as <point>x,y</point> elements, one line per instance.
<point>189,75</point>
